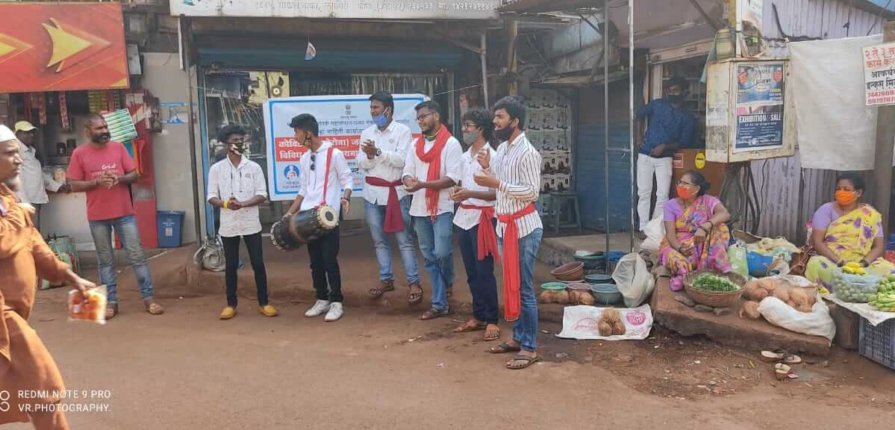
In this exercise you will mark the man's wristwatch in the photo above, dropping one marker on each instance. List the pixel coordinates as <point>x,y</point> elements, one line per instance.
<point>378,152</point>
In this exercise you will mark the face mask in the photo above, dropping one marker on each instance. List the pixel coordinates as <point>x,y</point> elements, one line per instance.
<point>684,192</point>
<point>469,137</point>
<point>503,134</point>
<point>846,198</point>
<point>239,148</point>
<point>380,120</point>
<point>675,98</point>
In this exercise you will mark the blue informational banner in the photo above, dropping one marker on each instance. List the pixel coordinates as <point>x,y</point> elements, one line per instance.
<point>341,120</point>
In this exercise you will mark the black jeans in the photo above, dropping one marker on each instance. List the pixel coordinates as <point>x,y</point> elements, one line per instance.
<point>479,275</point>
<point>324,253</point>
<point>231,253</point>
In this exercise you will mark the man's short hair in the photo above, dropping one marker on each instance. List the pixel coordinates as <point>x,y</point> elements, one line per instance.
<point>385,98</point>
<point>678,81</point>
<point>514,106</point>
<point>228,130</point>
<point>306,122</point>
<point>93,117</point>
<point>432,105</point>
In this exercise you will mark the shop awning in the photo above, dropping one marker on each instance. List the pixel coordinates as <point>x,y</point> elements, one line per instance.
<point>340,56</point>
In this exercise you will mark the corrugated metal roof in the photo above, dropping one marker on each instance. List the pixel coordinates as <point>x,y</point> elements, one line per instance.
<point>825,19</point>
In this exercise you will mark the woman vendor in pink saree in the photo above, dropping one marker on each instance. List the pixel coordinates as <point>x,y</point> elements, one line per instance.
<point>696,237</point>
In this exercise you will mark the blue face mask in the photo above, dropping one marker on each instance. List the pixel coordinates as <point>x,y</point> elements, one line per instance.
<point>380,120</point>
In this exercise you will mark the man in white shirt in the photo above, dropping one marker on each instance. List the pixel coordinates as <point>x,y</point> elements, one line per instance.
<point>35,183</point>
<point>516,176</point>
<point>431,169</point>
<point>324,179</point>
<point>237,186</point>
<point>474,223</point>
<point>387,204</point>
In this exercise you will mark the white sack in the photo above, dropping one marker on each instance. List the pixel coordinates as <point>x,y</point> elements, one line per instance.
<point>836,131</point>
<point>580,322</point>
<point>633,279</point>
<point>816,323</point>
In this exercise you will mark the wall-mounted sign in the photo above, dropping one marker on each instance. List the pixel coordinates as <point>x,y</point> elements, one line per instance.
<point>62,47</point>
<point>366,9</point>
<point>879,75</point>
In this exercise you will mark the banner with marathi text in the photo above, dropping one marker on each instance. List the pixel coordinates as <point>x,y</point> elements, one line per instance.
<point>341,120</point>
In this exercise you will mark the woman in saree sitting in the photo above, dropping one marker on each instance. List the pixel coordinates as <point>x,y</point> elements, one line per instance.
<point>846,231</point>
<point>696,236</point>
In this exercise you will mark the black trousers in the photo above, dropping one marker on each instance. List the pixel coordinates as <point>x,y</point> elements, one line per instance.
<point>231,253</point>
<point>479,275</point>
<point>324,253</point>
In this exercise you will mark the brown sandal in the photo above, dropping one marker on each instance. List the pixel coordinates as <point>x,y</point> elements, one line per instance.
<point>384,287</point>
<point>431,314</point>
<point>416,294</point>
<point>492,332</point>
<point>154,308</point>
<point>504,348</point>
<point>526,360</point>
<point>111,311</point>
<point>470,326</point>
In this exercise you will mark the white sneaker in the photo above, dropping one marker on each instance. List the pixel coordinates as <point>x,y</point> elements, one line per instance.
<point>318,309</point>
<point>335,312</point>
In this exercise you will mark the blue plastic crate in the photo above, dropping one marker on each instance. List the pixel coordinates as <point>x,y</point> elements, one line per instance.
<point>878,343</point>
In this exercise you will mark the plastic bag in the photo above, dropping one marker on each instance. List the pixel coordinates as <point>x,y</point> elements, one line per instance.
<point>211,255</point>
<point>633,279</point>
<point>580,322</point>
<point>88,306</point>
<point>816,323</point>
<point>854,288</point>
<point>654,231</point>
<point>738,263</point>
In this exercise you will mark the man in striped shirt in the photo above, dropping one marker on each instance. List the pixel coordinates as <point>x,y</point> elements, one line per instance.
<point>516,175</point>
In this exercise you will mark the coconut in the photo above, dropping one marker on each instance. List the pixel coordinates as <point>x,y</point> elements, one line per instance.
<point>562,297</point>
<point>586,298</point>
<point>618,328</point>
<point>604,328</point>
<point>611,315</point>
<point>782,294</point>
<point>750,310</point>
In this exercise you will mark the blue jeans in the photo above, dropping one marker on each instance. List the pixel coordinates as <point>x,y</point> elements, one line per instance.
<point>525,331</point>
<point>479,276</point>
<point>375,215</point>
<point>126,229</point>
<point>437,246</point>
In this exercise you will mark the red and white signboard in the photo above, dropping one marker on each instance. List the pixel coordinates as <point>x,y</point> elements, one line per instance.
<point>341,120</point>
<point>879,74</point>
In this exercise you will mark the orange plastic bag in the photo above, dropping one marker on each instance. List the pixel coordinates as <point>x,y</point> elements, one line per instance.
<point>88,306</point>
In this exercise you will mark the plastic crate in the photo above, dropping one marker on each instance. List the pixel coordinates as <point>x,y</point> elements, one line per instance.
<point>878,343</point>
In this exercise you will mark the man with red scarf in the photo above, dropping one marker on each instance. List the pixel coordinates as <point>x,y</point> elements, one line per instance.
<point>474,223</point>
<point>515,173</point>
<point>431,169</point>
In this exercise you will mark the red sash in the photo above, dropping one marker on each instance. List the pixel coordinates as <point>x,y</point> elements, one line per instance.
<point>329,157</point>
<point>433,158</point>
<point>394,221</point>
<point>511,277</point>
<point>487,237</point>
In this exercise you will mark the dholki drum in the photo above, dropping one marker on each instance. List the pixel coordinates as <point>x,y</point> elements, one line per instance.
<point>305,226</point>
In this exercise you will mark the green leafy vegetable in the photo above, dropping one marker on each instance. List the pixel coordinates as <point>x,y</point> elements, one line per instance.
<point>709,282</point>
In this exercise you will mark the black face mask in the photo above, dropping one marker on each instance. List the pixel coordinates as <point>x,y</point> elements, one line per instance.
<point>674,98</point>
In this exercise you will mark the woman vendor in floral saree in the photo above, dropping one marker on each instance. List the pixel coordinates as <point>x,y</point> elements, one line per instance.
<point>846,231</point>
<point>696,237</point>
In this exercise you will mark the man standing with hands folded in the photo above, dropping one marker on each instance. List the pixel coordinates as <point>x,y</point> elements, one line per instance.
<point>385,145</point>
<point>237,186</point>
<point>515,172</point>
<point>431,169</point>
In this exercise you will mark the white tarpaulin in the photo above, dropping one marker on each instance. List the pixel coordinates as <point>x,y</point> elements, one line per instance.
<point>836,131</point>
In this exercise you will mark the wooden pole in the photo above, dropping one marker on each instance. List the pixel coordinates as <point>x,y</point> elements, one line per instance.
<point>885,139</point>
<point>512,33</point>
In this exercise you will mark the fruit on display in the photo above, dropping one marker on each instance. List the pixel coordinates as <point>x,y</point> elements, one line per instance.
<point>884,299</point>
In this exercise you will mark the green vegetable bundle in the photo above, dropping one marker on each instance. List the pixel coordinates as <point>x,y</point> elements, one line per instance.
<point>713,283</point>
<point>884,299</point>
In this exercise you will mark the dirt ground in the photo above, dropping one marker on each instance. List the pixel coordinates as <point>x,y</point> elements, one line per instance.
<point>380,367</point>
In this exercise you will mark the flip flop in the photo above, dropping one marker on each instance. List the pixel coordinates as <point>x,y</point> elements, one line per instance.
<point>377,292</point>
<point>469,326</point>
<point>495,334</point>
<point>527,359</point>
<point>772,356</point>
<point>504,348</point>
<point>431,314</point>
<point>783,372</point>
<point>415,297</point>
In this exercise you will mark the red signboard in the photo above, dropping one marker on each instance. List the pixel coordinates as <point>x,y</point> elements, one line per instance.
<point>62,47</point>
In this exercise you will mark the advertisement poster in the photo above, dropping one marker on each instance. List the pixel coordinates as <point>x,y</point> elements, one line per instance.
<point>759,108</point>
<point>879,75</point>
<point>341,120</point>
<point>62,47</point>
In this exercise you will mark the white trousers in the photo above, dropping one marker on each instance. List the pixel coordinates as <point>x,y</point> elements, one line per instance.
<point>647,167</point>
